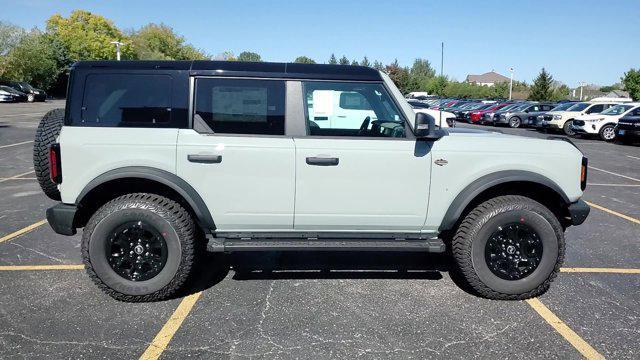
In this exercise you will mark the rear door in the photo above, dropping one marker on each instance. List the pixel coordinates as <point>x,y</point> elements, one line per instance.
<point>363,173</point>
<point>236,154</point>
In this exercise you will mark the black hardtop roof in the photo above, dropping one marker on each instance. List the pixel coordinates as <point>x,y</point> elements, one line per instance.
<point>242,68</point>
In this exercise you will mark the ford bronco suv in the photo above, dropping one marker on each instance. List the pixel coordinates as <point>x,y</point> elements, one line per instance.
<point>155,160</point>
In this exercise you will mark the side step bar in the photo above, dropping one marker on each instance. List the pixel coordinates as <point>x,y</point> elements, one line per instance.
<point>434,245</point>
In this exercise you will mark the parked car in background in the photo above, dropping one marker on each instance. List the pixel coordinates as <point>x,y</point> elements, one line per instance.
<point>628,129</point>
<point>477,116</point>
<point>489,117</point>
<point>443,118</point>
<point>603,124</point>
<point>9,94</point>
<point>527,115</point>
<point>32,93</point>
<point>562,119</point>
<point>561,106</point>
<point>462,112</point>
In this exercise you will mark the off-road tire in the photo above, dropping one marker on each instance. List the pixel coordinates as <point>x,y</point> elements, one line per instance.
<point>182,235</point>
<point>48,130</point>
<point>473,228</point>
<point>566,128</point>
<point>606,131</point>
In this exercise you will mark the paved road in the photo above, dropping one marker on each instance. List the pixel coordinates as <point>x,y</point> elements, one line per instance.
<point>320,305</point>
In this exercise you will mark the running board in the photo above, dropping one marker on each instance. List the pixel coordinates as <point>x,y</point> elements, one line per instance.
<point>434,245</point>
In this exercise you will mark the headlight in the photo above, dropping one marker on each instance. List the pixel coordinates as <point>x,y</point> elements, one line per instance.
<point>557,117</point>
<point>489,114</point>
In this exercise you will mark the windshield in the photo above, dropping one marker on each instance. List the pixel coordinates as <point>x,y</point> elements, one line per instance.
<point>616,110</point>
<point>26,86</point>
<point>578,107</point>
<point>563,107</point>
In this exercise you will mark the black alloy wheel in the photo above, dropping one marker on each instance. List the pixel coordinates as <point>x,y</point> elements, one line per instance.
<point>136,251</point>
<point>513,251</point>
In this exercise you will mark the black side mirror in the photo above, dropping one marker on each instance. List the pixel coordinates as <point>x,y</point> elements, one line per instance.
<point>425,126</point>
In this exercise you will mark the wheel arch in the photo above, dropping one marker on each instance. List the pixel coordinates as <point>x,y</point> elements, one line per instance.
<point>508,182</point>
<point>140,179</point>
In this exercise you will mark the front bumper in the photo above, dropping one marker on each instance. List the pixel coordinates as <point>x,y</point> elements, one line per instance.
<point>551,125</point>
<point>60,218</point>
<point>627,133</point>
<point>578,211</point>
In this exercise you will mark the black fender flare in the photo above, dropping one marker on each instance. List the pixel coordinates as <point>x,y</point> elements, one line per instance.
<point>179,185</point>
<point>466,196</point>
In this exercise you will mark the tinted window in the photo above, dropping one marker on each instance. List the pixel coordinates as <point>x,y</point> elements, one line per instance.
<point>237,106</point>
<point>376,116</point>
<point>595,109</point>
<point>353,101</point>
<point>127,100</point>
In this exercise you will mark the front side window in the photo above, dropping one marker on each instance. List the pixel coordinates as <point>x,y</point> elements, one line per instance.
<point>595,109</point>
<point>351,109</point>
<point>617,110</point>
<point>127,100</point>
<point>239,106</point>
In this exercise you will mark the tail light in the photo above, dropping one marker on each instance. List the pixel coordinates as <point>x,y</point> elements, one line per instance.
<point>55,167</point>
<point>583,173</point>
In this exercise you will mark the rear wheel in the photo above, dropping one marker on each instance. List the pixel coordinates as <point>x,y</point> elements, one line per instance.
<point>608,132</point>
<point>509,248</point>
<point>140,247</point>
<point>515,122</point>
<point>48,131</point>
<point>31,98</point>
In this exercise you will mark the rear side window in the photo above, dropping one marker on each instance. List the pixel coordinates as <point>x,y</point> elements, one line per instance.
<point>239,106</point>
<point>127,100</point>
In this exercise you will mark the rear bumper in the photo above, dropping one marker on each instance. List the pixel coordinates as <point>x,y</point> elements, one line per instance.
<point>60,218</point>
<point>578,211</point>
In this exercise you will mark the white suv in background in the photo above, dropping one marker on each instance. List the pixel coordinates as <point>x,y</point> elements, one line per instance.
<point>604,123</point>
<point>561,120</point>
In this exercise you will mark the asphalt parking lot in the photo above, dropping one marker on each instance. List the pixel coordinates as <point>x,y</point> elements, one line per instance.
<point>320,305</point>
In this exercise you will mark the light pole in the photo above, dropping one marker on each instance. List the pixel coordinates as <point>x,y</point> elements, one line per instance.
<point>118,44</point>
<point>582,83</point>
<point>511,83</point>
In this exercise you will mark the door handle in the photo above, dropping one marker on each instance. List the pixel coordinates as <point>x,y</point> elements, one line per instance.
<point>323,161</point>
<point>204,159</point>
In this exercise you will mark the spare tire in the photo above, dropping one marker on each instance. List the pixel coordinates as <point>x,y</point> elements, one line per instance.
<point>48,130</point>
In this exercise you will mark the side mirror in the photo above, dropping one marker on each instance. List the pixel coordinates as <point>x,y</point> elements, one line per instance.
<point>425,126</point>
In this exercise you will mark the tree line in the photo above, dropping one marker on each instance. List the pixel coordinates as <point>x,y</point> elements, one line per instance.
<point>41,57</point>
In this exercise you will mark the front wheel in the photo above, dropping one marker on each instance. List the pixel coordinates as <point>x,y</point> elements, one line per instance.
<point>509,248</point>
<point>515,122</point>
<point>608,133</point>
<point>140,247</point>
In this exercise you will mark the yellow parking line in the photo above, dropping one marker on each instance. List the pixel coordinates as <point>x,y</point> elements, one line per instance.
<point>16,176</point>
<point>40,267</point>
<point>626,217</point>
<point>600,270</point>
<point>574,339</point>
<point>22,231</point>
<point>169,329</point>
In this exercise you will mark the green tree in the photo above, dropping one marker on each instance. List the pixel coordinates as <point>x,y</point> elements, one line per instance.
<point>87,36</point>
<point>422,68</point>
<point>542,90</point>
<point>437,85</point>
<point>354,62</point>
<point>160,42</point>
<point>249,56</point>
<point>399,75</point>
<point>365,62</point>
<point>344,61</point>
<point>10,36</point>
<point>35,59</point>
<point>609,88</point>
<point>631,82</point>
<point>378,65</point>
<point>226,56</point>
<point>304,60</point>
<point>332,59</point>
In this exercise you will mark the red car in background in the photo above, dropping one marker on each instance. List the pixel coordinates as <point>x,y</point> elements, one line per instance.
<point>476,116</point>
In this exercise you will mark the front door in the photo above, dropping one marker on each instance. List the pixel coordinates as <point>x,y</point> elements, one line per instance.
<point>360,174</point>
<point>237,156</point>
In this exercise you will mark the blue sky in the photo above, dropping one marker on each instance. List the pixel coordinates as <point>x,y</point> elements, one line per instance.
<point>593,41</point>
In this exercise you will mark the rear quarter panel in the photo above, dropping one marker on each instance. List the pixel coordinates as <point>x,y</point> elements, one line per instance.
<point>88,152</point>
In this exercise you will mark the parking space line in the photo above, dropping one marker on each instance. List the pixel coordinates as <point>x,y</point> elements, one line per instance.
<point>25,114</point>
<point>16,176</point>
<point>623,185</point>
<point>22,231</point>
<point>16,144</point>
<point>40,267</point>
<point>29,178</point>
<point>160,342</point>
<point>613,173</point>
<point>600,270</point>
<point>574,339</point>
<point>633,157</point>
<point>626,217</point>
